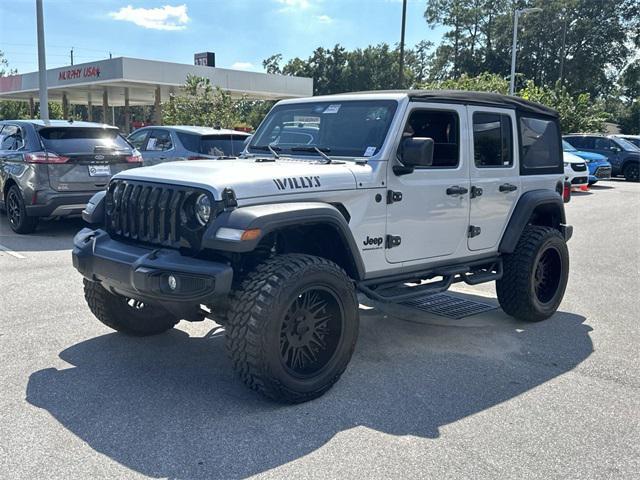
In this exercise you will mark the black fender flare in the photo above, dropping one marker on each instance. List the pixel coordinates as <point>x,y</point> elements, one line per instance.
<point>527,204</point>
<point>271,217</point>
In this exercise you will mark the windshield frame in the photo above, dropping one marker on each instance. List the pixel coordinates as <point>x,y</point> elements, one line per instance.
<point>252,148</point>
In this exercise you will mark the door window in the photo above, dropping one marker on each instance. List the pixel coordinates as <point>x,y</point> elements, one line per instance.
<point>603,144</point>
<point>12,138</point>
<point>541,149</point>
<point>492,140</point>
<point>137,139</point>
<point>159,140</point>
<point>441,126</point>
<point>581,142</point>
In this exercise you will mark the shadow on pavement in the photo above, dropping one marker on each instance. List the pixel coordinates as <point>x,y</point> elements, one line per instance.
<point>171,406</point>
<point>50,235</point>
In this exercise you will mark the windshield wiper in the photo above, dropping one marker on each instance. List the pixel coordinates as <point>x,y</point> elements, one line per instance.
<point>322,151</point>
<point>272,148</point>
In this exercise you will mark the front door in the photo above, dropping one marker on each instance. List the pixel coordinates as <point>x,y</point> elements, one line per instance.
<point>495,182</point>
<point>431,218</point>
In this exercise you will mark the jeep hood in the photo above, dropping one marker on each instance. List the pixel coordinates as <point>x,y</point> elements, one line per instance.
<point>249,178</point>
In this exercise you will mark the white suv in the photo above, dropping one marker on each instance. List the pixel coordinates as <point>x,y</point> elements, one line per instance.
<point>395,195</point>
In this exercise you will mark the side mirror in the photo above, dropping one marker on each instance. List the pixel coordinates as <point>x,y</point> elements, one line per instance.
<point>417,152</point>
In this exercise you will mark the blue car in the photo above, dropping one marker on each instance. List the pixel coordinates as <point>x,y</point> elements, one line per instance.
<point>599,167</point>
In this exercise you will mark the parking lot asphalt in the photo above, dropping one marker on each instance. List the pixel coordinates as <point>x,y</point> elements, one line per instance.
<point>424,396</point>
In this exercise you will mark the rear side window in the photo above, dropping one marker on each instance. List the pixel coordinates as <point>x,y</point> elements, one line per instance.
<point>11,138</point>
<point>581,142</point>
<point>540,146</point>
<point>82,140</point>
<point>492,140</point>
<point>218,145</point>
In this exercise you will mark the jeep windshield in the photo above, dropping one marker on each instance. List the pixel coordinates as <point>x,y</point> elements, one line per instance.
<point>354,128</point>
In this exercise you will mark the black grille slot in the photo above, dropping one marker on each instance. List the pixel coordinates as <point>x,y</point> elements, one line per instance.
<point>153,213</point>
<point>579,167</point>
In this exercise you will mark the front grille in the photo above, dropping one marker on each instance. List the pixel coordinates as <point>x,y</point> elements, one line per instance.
<point>152,213</point>
<point>603,172</point>
<point>579,167</point>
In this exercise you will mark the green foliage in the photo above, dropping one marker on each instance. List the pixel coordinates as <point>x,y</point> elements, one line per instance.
<point>485,82</point>
<point>579,113</point>
<point>202,104</point>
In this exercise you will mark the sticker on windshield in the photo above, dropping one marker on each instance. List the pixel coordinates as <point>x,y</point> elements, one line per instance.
<point>332,108</point>
<point>370,151</point>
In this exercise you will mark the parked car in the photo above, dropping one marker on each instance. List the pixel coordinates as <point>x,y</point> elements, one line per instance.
<point>575,170</point>
<point>635,139</point>
<point>53,170</point>
<point>181,142</point>
<point>623,155</point>
<point>599,167</point>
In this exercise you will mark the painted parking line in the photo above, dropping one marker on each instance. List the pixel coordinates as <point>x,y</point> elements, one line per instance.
<point>11,252</point>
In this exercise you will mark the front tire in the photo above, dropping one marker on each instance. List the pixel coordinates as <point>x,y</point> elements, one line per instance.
<point>632,172</point>
<point>19,221</point>
<point>535,275</point>
<point>127,315</point>
<point>292,327</point>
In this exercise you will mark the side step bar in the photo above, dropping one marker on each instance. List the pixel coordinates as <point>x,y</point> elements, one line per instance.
<point>395,289</point>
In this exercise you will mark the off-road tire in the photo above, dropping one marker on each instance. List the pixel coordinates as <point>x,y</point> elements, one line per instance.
<point>257,320</point>
<point>516,290</point>
<point>19,221</point>
<point>632,172</point>
<point>116,313</point>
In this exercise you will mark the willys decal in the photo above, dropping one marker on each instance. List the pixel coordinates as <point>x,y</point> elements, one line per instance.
<point>296,183</point>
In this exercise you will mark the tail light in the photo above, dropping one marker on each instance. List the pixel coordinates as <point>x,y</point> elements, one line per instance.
<point>44,157</point>
<point>566,192</point>
<point>135,158</point>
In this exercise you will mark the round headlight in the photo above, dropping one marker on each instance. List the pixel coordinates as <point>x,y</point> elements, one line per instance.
<point>203,209</point>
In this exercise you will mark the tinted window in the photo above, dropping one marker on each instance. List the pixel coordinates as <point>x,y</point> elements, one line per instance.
<point>11,138</point>
<point>492,140</point>
<point>348,128</point>
<point>137,139</point>
<point>219,145</point>
<point>603,144</point>
<point>540,144</point>
<point>159,140</point>
<point>442,127</point>
<point>581,142</point>
<point>81,140</point>
<point>626,144</point>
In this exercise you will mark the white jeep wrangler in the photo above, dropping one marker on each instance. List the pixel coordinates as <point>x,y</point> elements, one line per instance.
<point>391,194</point>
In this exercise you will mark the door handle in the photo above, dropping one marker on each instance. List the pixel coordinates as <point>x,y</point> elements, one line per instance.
<point>507,187</point>
<point>456,190</point>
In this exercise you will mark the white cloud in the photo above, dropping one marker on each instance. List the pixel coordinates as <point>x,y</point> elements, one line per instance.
<point>294,4</point>
<point>324,19</point>
<point>164,18</point>
<point>242,65</point>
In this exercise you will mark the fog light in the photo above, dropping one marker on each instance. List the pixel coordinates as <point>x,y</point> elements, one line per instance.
<point>172,282</point>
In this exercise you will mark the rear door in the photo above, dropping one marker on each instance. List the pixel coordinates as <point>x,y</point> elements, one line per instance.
<point>495,179</point>
<point>85,157</point>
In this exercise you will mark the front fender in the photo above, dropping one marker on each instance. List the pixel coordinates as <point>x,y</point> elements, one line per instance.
<point>271,217</point>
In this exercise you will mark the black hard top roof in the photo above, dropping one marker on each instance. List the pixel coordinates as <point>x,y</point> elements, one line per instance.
<point>485,99</point>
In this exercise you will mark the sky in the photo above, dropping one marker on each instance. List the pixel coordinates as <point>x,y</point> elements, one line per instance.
<point>242,33</point>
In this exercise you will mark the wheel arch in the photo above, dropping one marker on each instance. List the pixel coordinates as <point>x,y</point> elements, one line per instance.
<point>536,207</point>
<point>314,228</point>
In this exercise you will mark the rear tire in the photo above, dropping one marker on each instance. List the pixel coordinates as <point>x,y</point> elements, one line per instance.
<point>632,172</point>
<point>19,221</point>
<point>535,275</point>
<point>127,315</point>
<point>292,327</point>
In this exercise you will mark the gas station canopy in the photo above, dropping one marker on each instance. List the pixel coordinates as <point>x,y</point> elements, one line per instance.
<point>126,81</point>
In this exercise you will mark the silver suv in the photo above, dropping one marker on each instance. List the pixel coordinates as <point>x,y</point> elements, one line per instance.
<point>53,170</point>
<point>181,142</point>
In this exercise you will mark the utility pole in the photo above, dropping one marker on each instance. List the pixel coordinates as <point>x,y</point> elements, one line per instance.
<point>404,22</point>
<point>42,65</point>
<point>71,55</point>
<point>514,45</point>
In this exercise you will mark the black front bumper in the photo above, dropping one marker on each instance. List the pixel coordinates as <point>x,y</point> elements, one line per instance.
<point>144,273</point>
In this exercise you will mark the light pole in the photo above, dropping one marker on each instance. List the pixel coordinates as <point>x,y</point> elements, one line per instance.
<point>42,65</point>
<point>514,46</point>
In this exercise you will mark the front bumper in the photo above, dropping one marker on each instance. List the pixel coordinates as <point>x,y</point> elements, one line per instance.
<point>143,273</point>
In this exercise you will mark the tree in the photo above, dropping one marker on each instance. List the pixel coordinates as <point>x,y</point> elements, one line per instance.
<point>485,82</point>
